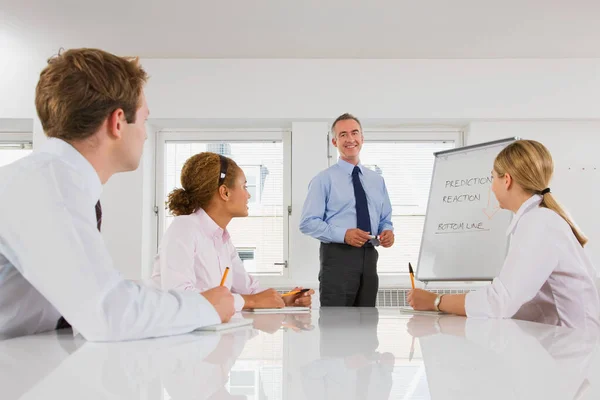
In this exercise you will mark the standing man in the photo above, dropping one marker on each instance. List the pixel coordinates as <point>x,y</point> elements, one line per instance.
<point>346,206</point>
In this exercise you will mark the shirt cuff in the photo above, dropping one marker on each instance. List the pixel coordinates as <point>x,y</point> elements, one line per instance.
<point>387,228</point>
<point>476,303</point>
<point>208,313</point>
<point>338,234</point>
<point>238,302</point>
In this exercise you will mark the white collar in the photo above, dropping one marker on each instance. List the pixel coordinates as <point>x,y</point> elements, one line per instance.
<point>70,156</point>
<point>533,201</point>
<point>210,227</point>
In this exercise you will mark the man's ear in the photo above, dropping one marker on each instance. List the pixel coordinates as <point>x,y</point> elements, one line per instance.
<point>334,141</point>
<point>115,123</point>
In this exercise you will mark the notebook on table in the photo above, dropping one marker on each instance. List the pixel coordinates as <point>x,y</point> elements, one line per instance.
<point>233,323</point>
<point>284,310</point>
<point>410,310</point>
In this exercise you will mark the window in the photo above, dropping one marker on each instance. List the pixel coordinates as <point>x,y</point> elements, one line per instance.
<point>406,168</point>
<point>11,151</point>
<point>247,257</point>
<point>253,179</point>
<point>261,238</point>
<point>405,160</point>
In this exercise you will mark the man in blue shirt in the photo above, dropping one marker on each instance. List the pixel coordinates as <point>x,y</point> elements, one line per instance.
<point>347,206</point>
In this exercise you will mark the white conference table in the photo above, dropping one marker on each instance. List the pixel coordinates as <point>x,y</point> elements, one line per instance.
<point>331,353</point>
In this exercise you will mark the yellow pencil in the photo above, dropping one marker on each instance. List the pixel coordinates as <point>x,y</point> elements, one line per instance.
<point>294,292</point>
<point>224,276</point>
<point>412,275</point>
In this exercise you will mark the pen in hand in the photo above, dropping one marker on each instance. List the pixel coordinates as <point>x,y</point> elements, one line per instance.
<point>412,275</point>
<point>224,276</point>
<point>294,292</point>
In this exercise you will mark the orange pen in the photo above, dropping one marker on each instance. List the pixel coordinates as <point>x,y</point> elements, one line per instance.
<point>412,275</point>
<point>224,276</point>
<point>294,292</point>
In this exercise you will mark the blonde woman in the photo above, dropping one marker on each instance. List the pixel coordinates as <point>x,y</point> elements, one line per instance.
<point>197,248</point>
<point>546,277</point>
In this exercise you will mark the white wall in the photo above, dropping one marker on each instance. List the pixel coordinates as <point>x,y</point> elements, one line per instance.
<point>306,94</point>
<point>309,157</point>
<point>128,221</point>
<point>122,220</point>
<point>20,64</point>
<point>396,89</point>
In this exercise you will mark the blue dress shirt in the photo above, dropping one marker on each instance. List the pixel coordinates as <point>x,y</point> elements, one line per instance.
<point>330,207</point>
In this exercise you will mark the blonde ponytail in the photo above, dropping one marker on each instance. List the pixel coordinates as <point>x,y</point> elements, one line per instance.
<point>550,203</point>
<point>530,165</point>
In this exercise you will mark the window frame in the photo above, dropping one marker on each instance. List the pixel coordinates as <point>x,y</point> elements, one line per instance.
<point>16,141</point>
<point>165,136</point>
<point>23,139</point>
<point>408,134</point>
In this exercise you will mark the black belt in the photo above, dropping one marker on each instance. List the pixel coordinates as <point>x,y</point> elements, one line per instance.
<point>366,245</point>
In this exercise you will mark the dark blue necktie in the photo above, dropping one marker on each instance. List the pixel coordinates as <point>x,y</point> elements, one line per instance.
<point>98,215</point>
<point>363,220</point>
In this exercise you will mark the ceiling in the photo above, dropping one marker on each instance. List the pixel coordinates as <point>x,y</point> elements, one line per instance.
<point>400,29</point>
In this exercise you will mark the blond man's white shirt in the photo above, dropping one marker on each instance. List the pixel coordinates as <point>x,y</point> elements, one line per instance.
<point>53,260</point>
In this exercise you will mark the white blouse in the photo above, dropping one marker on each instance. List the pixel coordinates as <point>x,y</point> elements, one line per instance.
<point>547,276</point>
<point>193,255</point>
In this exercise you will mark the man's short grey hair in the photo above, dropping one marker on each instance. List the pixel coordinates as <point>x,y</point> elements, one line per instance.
<point>344,117</point>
